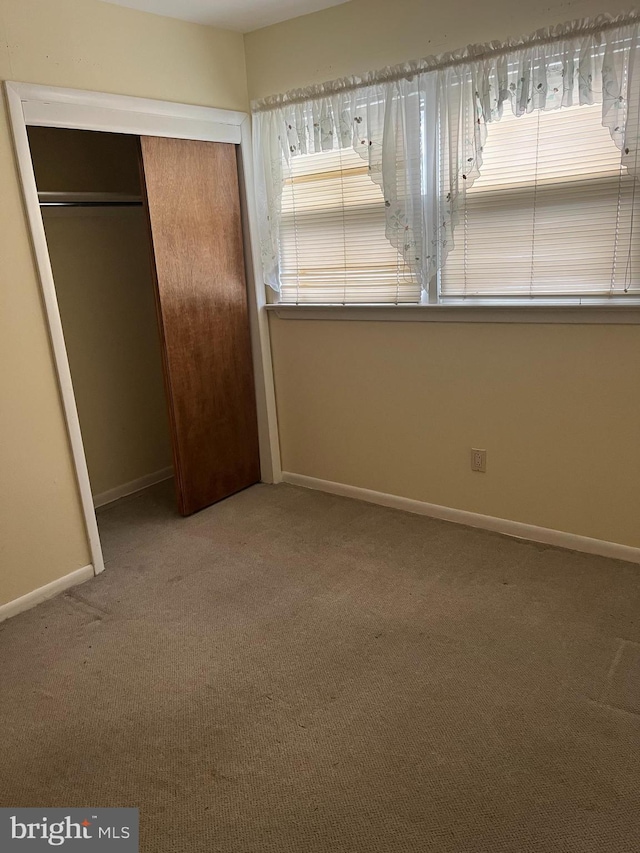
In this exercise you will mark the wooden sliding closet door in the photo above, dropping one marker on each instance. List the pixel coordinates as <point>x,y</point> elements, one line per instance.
<point>193,202</point>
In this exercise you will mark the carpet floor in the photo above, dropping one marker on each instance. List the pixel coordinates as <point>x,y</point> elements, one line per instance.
<point>293,672</point>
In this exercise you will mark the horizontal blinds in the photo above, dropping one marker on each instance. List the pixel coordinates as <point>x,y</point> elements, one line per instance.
<point>333,247</point>
<point>552,212</point>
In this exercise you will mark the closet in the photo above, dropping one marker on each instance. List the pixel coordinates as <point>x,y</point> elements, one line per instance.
<point>145,241</point>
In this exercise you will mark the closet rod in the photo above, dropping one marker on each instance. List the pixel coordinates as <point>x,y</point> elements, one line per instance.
<point>91,199</point>
<point>90,204</point>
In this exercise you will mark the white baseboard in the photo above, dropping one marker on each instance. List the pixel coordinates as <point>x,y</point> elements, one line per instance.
<point>517,529</point>
<point>130,488</point>
<point>37,596</point>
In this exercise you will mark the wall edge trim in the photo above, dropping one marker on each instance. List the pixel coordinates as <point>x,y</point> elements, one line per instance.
<point>515,529</point>
<point>37,596</point>
<point>132,487</point>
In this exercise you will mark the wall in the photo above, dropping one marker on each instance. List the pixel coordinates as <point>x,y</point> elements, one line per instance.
<point>396,407</point>
<point>100,261</point>
<point>364,35</point>
<point>81,44</point>
<point>77,161</point>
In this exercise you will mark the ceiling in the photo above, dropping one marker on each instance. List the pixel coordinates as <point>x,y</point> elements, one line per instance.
<point>240,15</point>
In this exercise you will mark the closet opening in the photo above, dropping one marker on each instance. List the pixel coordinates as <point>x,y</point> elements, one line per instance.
<point>145,244</point>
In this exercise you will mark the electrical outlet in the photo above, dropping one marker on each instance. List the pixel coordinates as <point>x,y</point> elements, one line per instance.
<point>478,460</point>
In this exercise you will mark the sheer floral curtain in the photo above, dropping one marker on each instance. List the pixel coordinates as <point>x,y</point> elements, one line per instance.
<point>381,122</point>
<point>586,62</point>
<point>422,126</point>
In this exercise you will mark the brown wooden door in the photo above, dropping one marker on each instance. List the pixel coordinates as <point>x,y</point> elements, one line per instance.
<point>193,202</point>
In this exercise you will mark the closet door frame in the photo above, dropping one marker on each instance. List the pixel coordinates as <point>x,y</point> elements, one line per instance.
<point>32,105</point>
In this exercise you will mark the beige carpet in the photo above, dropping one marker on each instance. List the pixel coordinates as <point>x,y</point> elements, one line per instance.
<point>291,671</point>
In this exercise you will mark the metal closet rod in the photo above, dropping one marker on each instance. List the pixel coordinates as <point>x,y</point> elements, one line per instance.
<point>49,199</point>
<point>90,204</point>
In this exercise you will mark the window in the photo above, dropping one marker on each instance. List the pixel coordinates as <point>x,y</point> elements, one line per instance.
<point>456,199</point>
<point>550,215</point>
<point>333,248</point>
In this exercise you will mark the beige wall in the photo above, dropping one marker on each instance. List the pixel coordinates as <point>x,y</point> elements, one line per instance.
<point>396,407</point>
<point>364,35</point>
<point>89,45</point>
<point>100,260</point>
<point>73,161</point>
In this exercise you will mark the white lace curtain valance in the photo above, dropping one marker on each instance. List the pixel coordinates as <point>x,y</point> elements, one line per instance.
<point>382,123</point>
<point>422,127</point>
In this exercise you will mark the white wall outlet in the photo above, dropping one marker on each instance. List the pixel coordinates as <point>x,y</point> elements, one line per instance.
<point>478,460</point>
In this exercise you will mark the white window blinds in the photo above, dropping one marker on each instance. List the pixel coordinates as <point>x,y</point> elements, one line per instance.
<point>551,214</point>
<point>333,248</point>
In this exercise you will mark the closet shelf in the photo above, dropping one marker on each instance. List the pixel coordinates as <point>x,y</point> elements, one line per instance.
<point>50,199</point>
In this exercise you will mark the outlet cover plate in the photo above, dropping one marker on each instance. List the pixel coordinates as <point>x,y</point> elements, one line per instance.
<point>478,460</point>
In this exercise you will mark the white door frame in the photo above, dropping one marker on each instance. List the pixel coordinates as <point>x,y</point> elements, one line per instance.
<point>49,106</point>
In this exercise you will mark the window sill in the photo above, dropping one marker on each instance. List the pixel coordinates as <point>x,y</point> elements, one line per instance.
<point>593,313</point>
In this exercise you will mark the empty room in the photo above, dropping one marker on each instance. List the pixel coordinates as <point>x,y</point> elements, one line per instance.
<point>320,420</point>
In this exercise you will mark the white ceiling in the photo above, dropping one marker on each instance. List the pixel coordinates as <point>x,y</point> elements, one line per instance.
<point>240,15</point>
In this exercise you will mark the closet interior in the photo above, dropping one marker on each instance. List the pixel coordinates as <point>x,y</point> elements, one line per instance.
<point>145,245</point>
